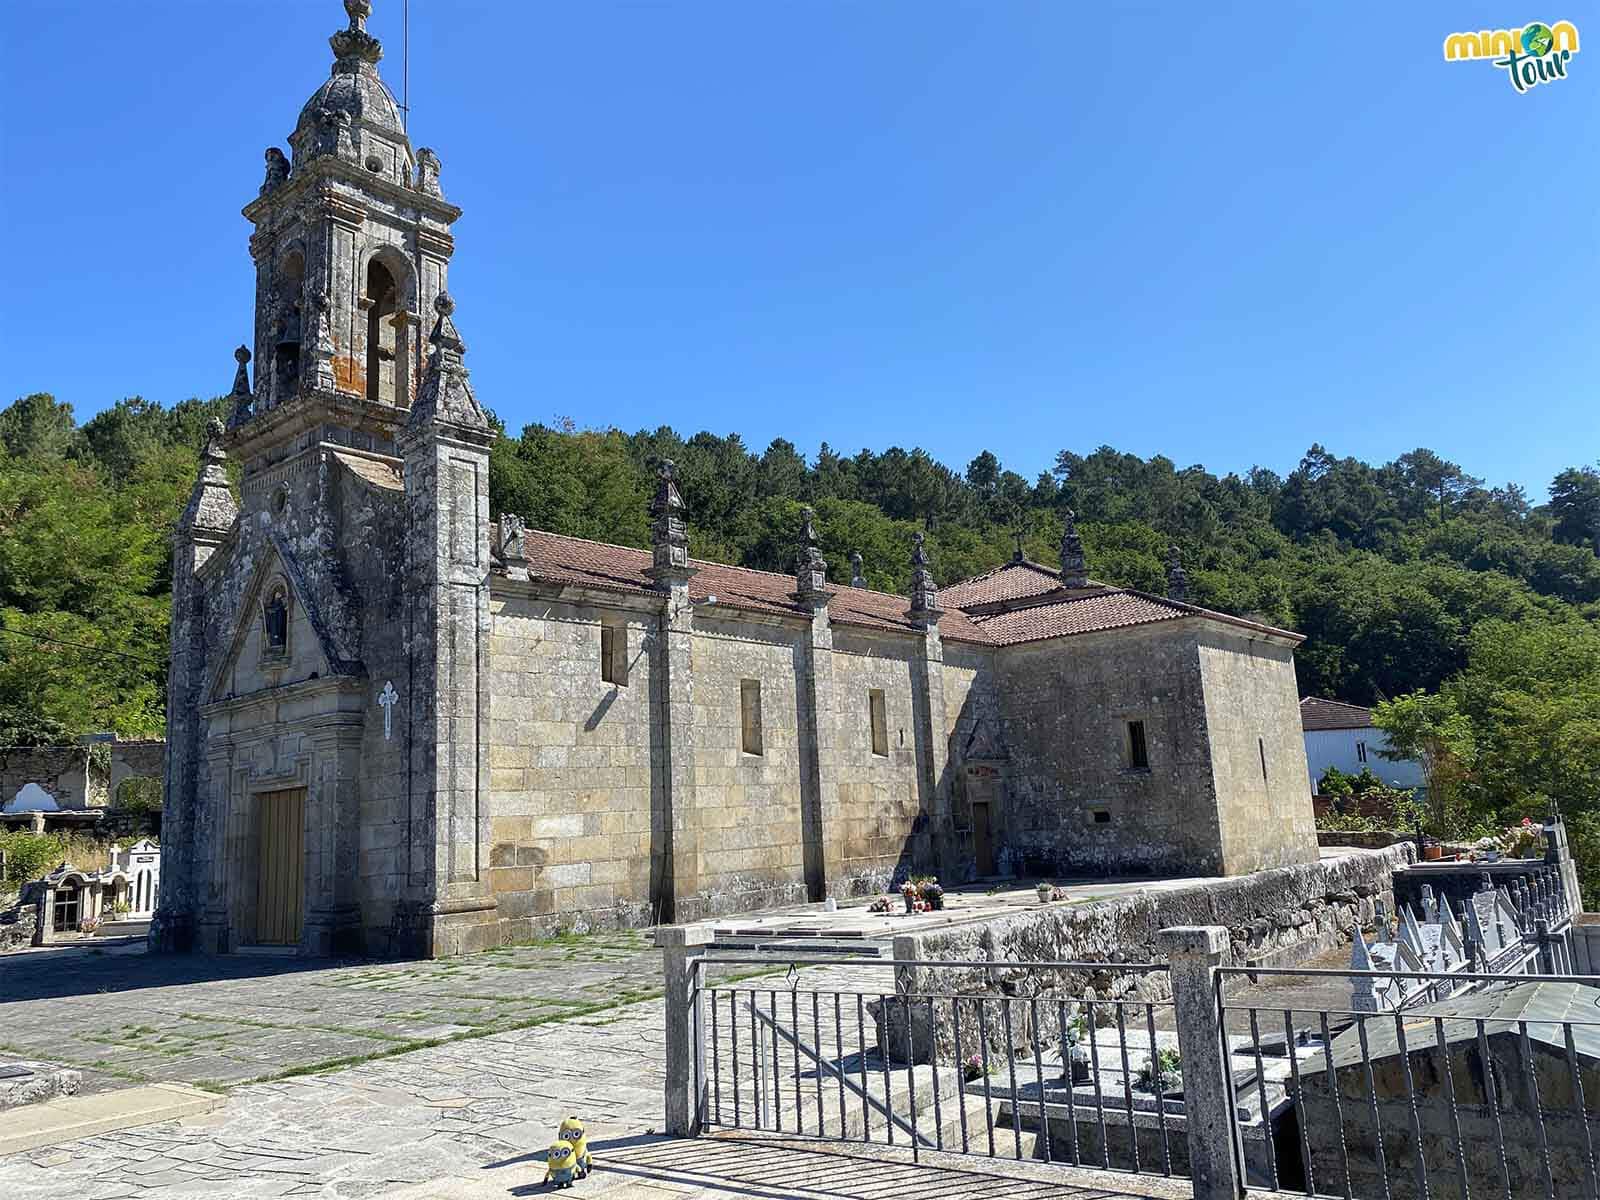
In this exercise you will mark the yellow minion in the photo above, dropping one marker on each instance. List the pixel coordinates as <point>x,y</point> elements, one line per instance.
<point>572,1131</point>
<point>560,1164</point>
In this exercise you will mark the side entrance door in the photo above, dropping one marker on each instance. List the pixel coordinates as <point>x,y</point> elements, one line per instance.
<point>280,879</point>
<point>982,840</point>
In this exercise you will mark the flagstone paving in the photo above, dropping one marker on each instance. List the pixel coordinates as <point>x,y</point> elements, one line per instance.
<point>224,1021</point>
<point>458,1108</point>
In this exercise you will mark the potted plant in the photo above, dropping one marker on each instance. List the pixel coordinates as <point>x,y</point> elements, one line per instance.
<point>934,895</point>
<point>972,1068</point>
<point>1078,1058</point>
<point>1045,891</point>
<point>1162,1073</point>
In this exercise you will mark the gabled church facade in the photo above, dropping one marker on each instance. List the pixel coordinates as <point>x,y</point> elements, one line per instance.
<point>398,727</point>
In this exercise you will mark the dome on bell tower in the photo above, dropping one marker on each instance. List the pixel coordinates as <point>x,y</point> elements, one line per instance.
<point>353,99</point>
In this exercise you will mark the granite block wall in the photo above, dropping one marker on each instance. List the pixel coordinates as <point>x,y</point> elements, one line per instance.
<point>1077,800</point>
<point>747,807</point>
<point>880,795</point>
<point>570,767</point>
<point>1258,755</point>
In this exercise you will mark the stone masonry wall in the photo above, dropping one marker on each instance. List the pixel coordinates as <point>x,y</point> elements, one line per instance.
<point>880,800</point>
<point>747,805</point>
<point>570,768</point>
<point>1258,755</point>
<point>63,771</point>
<point>1066,706</point>
<point>1274,918</point>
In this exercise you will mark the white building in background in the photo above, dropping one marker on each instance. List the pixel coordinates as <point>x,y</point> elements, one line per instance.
<point>1343,735</point>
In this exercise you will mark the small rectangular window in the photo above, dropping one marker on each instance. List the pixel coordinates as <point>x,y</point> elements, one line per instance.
<point>1138,749</point>
<point>1361,752</point>
<point>880,722</point>
<point>750,714</point>
<point>1102,817</point>
<point>614,655</point>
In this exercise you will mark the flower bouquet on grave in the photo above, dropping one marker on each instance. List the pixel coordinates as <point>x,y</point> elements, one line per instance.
<point>908,892</point>
<point>934,895</point>
<point>883,904</point>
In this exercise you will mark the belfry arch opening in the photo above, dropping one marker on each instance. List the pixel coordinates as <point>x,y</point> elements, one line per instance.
<point>382,301</point>
<point>286,326</point>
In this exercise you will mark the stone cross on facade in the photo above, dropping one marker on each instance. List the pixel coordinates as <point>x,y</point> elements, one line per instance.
<point>388,698</point>
<point>857,580</point>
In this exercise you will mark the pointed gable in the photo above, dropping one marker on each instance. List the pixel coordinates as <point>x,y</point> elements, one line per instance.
<point>280,636</point>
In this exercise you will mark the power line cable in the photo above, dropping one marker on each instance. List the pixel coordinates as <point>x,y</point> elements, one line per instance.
<point>44,637</point>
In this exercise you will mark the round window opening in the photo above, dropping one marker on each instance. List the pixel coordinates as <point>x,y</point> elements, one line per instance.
<point>375,164</point>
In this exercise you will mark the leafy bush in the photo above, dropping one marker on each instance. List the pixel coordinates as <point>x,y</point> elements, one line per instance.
<point>30,855</point>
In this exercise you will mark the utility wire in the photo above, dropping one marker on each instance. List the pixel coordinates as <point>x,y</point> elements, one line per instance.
<point>44,637</point>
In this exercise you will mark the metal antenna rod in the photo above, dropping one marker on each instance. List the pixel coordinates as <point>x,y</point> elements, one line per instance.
<point>405,64</point>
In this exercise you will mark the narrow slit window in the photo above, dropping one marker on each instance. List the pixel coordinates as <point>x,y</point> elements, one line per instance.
<point>1261,745</point>
<point>614,655</point>
<point>1361,752</point>
<point>880,722</point>
<point>750,715</point>
<point>1138,748</point>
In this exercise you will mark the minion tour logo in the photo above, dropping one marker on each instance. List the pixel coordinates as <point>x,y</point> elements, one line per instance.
<point>1531,55</point>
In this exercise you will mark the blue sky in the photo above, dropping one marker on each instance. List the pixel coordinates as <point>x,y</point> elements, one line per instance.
<point>1003,225</point>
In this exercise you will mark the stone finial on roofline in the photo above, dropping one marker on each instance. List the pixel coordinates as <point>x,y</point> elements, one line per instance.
<point>513,547</point>
<point>353,45</point>
<point>1177,577</point>
<point>241,387</point>
<point>1074,567</point>
<point>669,529</point>
<point>811,570</point>
<point>211,508</point>
<point>446,397</point>
<point>857,580</point>
<point>1018,555</point>
<point>925,610</point>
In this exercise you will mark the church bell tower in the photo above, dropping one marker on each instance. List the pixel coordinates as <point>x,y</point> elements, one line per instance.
<point>352,246</point>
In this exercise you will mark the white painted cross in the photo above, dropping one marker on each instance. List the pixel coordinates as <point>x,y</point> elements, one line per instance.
<point>388,698</point>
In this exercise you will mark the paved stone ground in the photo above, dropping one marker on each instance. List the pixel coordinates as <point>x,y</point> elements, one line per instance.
<point>224,1021</point>
<point>472,1117</point>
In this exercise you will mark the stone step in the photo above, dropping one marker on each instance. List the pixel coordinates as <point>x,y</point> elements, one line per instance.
<point>66,1119</point>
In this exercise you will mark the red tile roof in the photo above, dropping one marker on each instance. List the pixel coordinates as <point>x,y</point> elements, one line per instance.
<point>1317,713</point>
<point>1083,614</point>
<point>554,558</point>
<point>558,559</point>
<point>1010,581</point>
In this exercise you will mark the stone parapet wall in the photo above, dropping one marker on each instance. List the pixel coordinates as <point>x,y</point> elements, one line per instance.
<point>1307,908</point>
<point>1274,918</point>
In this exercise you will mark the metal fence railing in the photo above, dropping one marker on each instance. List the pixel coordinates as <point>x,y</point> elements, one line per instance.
<point>1481,1091</point>
<point>1004,1060</point>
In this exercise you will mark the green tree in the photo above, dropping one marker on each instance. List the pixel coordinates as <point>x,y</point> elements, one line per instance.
<point>1433,732</point>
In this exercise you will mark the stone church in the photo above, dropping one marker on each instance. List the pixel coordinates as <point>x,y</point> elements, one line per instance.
<point>399,726</point>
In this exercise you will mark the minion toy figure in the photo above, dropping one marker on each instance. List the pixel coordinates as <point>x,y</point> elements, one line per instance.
<point>560,1164</point>
<point>572,1131</point>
